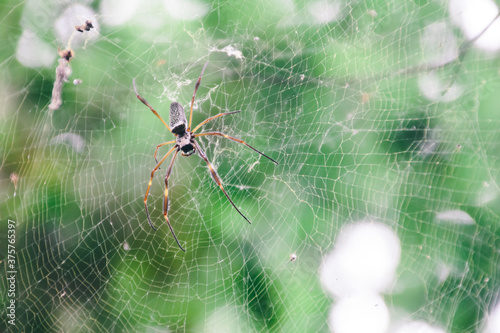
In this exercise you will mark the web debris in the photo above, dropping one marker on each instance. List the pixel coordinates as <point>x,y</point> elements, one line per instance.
<point>14,178</point>
<point>231,51</point>
<point>63,71</point>
<point>84,27</point>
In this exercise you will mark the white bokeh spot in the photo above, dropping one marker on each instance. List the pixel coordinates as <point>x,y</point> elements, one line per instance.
<point>435,89</point>
<point>418,327</point>
<point>364,259</point>
<point>118,12</point>
<point>439,44</point>
<point>475,16</point>
<point>34,52</point>
<point>186,10</point>
<point>493,321</point>
<point>360,313</point>
<point>325,11</point>
<point>455,216</point>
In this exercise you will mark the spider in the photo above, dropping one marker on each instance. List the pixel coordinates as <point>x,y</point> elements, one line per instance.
<point>185,143</point>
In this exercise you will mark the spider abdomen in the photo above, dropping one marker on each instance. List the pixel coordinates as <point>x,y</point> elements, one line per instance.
<point>178,119</point>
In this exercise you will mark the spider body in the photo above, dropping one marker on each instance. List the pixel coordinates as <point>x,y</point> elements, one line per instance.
<point>178,122</point>
<point>186,143</point>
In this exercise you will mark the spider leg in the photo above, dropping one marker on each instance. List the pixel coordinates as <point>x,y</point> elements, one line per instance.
<point>216,178</point>
<point>196,86</point>
<point>165,202</point>
<point>234,139</point>
<point>149,106</point>
<point>149,186</point>
<point>161,145</point>
<point>211,118</point>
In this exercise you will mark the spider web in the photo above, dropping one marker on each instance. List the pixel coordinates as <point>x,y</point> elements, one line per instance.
<point>383,117</point>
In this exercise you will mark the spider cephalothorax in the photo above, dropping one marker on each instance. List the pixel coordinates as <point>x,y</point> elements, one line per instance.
<point>185,143</point>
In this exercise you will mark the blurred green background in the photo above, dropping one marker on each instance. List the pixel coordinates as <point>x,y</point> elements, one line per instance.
<point>341,101</point>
